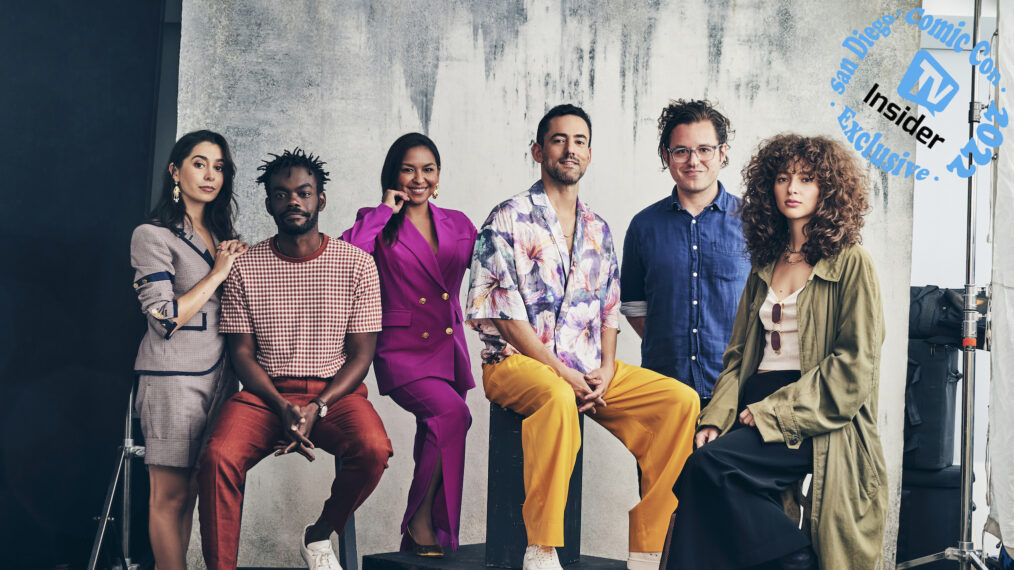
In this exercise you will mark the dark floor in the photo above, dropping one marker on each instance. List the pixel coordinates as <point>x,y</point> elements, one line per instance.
<point>469,556</point>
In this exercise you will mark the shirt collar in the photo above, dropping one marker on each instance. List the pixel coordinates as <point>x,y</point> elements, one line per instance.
<point>538,196</point>
<point>723,202</point>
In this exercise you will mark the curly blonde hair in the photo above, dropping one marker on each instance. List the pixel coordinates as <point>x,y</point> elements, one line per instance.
<point>838,219</point>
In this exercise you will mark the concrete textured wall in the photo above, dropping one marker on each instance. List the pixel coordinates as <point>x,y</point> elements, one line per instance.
<point>345,79</point>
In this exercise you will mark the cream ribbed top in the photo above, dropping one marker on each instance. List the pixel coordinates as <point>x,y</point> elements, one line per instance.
<point>787,357</point>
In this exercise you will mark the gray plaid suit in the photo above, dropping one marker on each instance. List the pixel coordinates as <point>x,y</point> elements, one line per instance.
<point>183,369</point>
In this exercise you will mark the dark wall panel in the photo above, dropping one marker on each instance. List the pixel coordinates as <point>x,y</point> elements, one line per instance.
<point>76,120</point>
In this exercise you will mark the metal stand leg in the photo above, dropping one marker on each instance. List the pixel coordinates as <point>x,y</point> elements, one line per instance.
<point>965,552</point>
<point>128,452</point>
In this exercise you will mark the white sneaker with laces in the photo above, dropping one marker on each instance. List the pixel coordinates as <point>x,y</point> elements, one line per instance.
<point>538,559</point>
<point>318,555</point>
<point>644,560</point>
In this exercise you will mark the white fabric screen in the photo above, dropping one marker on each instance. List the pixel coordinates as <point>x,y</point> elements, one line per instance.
<point>1000,446</point>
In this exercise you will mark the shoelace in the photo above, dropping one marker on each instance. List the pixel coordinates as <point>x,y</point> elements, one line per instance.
<point>322,560</point>
<point>545,556</point>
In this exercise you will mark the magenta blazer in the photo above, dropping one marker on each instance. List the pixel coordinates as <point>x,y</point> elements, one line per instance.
<point>423,334</point>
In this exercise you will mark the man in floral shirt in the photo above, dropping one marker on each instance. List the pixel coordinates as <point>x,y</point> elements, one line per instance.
<point>545,299</point>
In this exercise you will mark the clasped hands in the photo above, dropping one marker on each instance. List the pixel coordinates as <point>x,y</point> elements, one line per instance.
<point>589,388</point>
<point>297,423</point>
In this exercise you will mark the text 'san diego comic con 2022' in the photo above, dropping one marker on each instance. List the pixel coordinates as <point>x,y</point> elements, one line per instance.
<point>925,84</point>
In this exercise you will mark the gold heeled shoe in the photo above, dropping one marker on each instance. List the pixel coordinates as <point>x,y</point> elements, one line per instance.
<point>424,550</point>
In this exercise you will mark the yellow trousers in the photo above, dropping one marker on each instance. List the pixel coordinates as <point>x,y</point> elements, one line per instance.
<point>653,415</point>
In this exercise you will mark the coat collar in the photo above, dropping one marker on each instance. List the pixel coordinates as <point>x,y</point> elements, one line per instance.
<point>420,248</point>
<point>828,269</point>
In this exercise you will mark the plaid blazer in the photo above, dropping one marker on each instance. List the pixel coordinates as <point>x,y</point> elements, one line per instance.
<point>167,263</point>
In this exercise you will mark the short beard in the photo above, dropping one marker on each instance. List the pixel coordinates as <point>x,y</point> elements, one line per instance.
<point>558,174</point>
<point>298,229</point>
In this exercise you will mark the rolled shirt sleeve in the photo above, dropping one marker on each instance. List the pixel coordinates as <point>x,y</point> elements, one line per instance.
<point>633,302</point>
<point>154,276</point>
<point>493,292</point>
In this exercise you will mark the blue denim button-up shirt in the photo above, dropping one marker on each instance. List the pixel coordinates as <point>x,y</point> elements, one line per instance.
<point>685,275</point>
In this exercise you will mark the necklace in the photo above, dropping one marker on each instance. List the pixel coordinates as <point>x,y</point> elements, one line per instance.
<point>789,252</point>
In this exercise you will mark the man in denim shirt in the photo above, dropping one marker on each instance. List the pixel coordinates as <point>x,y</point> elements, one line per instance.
<point>684,260</point>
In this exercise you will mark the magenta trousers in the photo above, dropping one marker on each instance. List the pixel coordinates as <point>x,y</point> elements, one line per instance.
<point>442,421</point>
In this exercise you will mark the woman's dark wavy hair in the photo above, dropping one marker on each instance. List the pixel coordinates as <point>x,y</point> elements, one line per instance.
<point>392,167</point>
<point>840,207</point>
<point>219,214</point>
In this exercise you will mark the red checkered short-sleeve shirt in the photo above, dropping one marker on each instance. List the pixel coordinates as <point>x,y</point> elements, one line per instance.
<point>300,309</point>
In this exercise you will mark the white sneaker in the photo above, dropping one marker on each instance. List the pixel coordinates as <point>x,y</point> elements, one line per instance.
<point>538,559</point>
<point>644,560</point>
<point>318,555</point>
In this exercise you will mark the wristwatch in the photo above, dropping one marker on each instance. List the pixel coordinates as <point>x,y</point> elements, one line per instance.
<point>323,407</point>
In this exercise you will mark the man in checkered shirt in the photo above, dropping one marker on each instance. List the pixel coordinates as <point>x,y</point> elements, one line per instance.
<point>302,312</point>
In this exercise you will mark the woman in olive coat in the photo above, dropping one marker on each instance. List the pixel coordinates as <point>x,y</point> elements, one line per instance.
<point>799,387</point>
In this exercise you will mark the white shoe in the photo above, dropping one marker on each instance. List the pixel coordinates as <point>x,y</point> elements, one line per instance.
<point>538,559</point>
<point>644,560</point>
<point>318,555</point>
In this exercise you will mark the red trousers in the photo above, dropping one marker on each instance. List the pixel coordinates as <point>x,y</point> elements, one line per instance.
<point>246,432</point>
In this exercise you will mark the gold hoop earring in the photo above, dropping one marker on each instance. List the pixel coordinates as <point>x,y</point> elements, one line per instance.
<point>176,193</point>
<point>436,191</point>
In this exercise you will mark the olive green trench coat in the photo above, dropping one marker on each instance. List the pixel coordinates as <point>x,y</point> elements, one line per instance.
<point>841,330</point>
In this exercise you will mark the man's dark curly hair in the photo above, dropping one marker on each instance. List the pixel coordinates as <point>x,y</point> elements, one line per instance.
<point>685,112</point>
<point>287,160</point>
<point>840,206</point>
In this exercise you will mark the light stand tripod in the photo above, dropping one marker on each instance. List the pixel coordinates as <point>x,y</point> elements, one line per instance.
<point>965,552</point>
<point>128,452</point>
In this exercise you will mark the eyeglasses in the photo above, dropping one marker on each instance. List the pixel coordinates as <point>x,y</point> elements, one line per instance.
<point>682,153</point>
<point>776,335</point>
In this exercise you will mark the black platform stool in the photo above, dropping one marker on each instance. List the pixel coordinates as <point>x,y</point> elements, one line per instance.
<point>506,538</point>
<point>348,556</point>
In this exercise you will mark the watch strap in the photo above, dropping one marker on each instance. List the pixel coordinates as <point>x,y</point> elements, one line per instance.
<point>321,405</point>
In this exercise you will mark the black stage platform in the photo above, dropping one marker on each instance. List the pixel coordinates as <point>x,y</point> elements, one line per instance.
<point>471,556</point>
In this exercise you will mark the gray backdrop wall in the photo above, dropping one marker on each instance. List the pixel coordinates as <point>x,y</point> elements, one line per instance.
<point>343,80</point>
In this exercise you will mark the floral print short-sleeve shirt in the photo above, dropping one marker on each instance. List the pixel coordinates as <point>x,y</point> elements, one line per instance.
<point>521,270</point>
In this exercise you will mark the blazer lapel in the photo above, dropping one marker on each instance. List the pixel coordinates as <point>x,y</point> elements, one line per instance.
<point>447,240</point>
<point>410,237</point>
<point>189,237</point>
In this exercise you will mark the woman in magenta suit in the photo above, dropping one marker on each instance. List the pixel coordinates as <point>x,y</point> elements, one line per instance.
<point>422,362</point>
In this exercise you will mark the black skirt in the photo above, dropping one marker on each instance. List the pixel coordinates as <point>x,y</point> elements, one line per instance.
<point>730,513</point>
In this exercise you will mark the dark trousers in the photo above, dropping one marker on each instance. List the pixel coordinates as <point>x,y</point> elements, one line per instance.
<point>246,432</point>
<point>730,513</point>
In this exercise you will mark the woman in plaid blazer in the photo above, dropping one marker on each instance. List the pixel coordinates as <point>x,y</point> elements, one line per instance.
<point>180,257</point>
